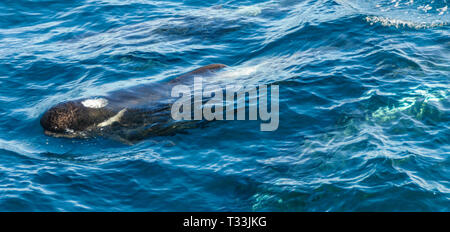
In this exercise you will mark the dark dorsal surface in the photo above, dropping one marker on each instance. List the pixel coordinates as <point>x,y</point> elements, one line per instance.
<point>151,95</point>
<point>203,71</point>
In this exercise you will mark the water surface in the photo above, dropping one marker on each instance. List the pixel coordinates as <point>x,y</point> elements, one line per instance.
<point>364,105</point>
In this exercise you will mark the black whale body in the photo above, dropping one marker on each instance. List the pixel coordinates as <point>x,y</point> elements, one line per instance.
<point>143,110</point>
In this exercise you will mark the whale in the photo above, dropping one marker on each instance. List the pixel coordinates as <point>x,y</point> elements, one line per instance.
<point>128,114</point>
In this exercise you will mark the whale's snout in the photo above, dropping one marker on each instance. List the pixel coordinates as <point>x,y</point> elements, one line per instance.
<point>67,119</point>
<point>63,118</point>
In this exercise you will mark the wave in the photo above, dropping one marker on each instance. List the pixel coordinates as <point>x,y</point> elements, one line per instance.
<point>402,13</point>
<point>398,23</point>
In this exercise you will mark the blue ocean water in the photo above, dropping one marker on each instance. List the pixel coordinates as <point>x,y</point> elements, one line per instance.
<point>364,105</point>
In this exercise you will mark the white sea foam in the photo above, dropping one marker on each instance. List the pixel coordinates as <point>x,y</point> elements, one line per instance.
<point>425,8</point>
<point>442,10</point>
<point>249,10</point>
<point>398,23</point>
<point>239,72</point>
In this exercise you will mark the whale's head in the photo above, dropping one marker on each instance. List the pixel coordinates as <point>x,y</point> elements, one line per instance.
<point>74,118</point>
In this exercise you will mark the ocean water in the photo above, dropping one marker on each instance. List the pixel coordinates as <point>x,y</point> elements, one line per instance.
<point>364,105</point>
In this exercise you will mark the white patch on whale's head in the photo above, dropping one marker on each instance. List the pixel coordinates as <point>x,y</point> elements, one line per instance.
<point>95,103</point>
